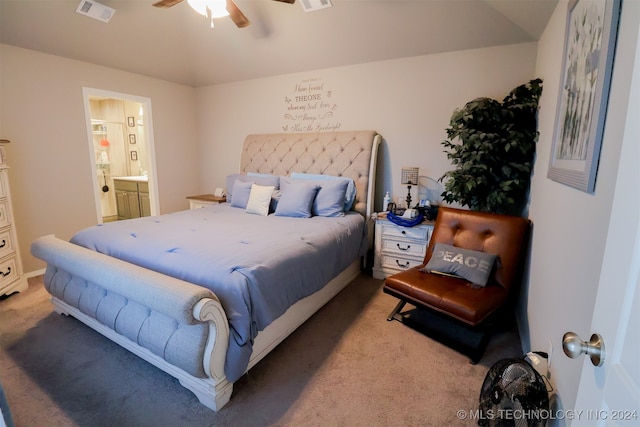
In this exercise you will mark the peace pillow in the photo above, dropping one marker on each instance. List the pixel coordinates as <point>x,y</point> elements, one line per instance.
<point>474,266</point>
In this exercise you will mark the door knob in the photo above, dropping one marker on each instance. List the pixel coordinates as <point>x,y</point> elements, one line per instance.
<point>573,347</point>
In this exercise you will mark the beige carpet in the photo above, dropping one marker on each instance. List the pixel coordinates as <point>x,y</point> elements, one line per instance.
<point>347,366</point>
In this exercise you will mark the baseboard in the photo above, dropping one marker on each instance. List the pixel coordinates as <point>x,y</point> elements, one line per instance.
<point>35,273</point>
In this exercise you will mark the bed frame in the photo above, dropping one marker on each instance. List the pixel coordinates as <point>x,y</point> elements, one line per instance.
<point>351,154</point>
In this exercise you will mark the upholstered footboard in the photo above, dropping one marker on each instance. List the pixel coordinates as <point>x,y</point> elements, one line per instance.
<point>177,326</point>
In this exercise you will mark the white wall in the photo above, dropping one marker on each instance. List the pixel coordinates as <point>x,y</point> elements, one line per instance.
<point>570,226</point>
<point>408,101</point>
<point>42,113</point>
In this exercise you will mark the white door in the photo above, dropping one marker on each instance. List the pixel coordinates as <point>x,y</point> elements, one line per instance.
<point>610,394</point>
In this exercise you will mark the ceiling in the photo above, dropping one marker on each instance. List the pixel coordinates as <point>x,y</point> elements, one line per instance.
<point>178,45</point>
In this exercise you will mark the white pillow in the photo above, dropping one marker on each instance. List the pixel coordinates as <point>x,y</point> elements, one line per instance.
<point>259,199</point>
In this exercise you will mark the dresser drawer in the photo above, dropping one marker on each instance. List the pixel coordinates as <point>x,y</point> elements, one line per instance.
<point>406,247</point>
<point>6,243</point>
<point>8,271</point>
<point>3,190</point>
<point>419,233</point>
<point>399,248</point>
<point>399,263</point>
<point>4,213</point>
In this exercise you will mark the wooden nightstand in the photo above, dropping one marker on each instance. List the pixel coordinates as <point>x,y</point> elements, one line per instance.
<point>203,200</point>
<point>398,248</point>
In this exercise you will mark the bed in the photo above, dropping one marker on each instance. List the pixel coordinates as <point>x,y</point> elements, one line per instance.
<point>204,294</point>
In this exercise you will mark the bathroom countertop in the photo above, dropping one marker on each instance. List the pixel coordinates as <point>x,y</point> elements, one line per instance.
<point>141,178</point>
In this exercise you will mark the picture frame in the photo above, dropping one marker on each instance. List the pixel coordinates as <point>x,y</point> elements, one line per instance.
<point>131,121</point>
<point>134,155</point>
<point>132,138</point>
<point>589,48</point>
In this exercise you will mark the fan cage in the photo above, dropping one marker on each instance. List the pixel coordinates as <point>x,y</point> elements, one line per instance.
<point>513,394</point>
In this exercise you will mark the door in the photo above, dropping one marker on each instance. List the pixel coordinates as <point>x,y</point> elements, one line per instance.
<point>610,394</point>
<point>127,152</point>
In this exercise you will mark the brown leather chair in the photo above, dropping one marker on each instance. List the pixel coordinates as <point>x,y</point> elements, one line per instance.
<point>480,309</point>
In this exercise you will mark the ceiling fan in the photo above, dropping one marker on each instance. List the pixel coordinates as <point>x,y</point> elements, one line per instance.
<point>234,12</point>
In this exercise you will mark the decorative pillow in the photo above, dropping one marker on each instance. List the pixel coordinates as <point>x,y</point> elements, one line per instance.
<point>266,180</point>
<point>296,200</point>
<point>241,191</point>
<point>275,197</point>
<point>261,175</point>
<point>474,266</point>
<point>330,198</point>
<point>259,199</point>
<point>350,194</point>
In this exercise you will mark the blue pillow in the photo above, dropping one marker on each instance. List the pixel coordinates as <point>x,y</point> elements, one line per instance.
<point>267,180</point>
<point>330,198</point>
<point>296,200</point>
<point>260,175</point>
<point>240,195</point>
<point>350,194</point>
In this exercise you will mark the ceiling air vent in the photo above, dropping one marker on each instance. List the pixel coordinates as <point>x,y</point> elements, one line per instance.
<point>313,5</point>
<point>95,10</point>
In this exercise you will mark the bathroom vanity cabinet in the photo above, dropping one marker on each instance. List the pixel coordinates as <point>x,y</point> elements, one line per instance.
<point>132,197</point>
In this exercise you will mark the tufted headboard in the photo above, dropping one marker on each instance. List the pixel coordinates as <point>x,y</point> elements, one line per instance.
<point>351,154</point>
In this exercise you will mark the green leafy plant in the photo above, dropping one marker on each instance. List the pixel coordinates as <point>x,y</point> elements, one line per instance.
<point>492,145</point>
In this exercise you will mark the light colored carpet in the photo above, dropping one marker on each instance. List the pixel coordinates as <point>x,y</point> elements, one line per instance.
<point>346,366</point>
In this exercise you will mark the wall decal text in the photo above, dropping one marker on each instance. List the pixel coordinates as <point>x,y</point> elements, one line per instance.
<point>309,108</point>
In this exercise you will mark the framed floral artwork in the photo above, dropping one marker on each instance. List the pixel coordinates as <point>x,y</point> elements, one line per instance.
<point>589,48</point>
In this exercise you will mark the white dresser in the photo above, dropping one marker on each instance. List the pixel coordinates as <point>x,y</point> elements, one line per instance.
<point>398,248</point>
<point>11,279</point>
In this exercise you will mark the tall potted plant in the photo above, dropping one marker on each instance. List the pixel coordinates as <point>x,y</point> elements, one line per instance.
<point>492,146</point>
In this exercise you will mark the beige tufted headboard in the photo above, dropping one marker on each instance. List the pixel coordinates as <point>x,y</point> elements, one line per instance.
<point>350,154</point>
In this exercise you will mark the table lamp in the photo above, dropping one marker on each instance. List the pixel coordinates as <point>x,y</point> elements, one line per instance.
<point>409,178</point>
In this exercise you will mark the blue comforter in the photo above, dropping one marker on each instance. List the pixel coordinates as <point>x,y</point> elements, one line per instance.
<point>258,266</point>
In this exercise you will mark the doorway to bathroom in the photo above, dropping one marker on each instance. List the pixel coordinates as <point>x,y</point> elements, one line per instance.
<point>122,156</point>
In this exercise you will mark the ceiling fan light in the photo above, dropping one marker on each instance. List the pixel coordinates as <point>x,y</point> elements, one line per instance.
<point>210,8</point>
<point>217,8</point>
<point>199,6</point>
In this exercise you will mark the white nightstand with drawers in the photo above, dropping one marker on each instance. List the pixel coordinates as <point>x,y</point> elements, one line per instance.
<point>398,248</point>
<point>204,200</point>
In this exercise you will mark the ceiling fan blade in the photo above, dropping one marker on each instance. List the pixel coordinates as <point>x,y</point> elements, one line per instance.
<point>236,15</point>
<point>167,3</point>
<point>287,1</point>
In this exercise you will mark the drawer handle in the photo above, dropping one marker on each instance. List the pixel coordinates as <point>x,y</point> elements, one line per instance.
<point>7,273</point>
<point>404,232</point>
<point>403,249</point>
<point>4,243</point>
<point>406,264</point>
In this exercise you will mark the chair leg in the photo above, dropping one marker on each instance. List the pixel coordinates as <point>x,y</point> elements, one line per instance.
<point>394,313</point>
<point>474,353</point>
